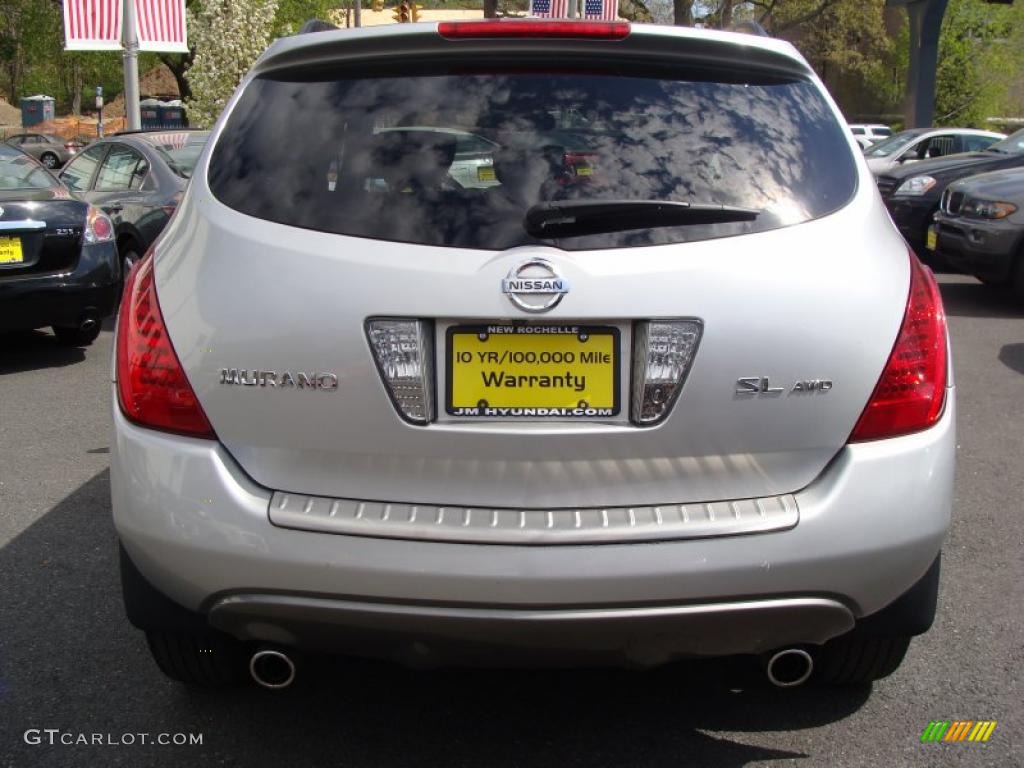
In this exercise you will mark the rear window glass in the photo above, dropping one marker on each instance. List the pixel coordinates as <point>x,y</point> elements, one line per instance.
<point>457,158</point>
<point>180,150</point>
<point>17,171</point>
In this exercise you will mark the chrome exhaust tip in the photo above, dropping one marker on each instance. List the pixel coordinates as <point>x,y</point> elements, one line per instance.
<point>789,668</point>
<point>272,669</point>
<point>87,323</point>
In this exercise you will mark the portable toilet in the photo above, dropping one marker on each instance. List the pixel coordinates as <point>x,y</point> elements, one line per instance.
<point>36,110</point>
<point>149,111</point>
<point>173,116</point>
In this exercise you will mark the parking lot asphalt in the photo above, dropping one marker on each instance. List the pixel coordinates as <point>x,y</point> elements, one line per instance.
<point>70,661</point>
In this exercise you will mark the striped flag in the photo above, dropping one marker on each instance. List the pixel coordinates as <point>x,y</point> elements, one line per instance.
<point>603,10</point>
<point>161,25</point>
<point>549,9</point>
<point>92,25</point>
<point>170,140</point>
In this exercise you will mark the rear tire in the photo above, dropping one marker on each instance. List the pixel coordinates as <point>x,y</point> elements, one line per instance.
<point>856,659</point>
<point>129,258</point>
<point>73,336</point>
<point>49,160</point>
<point>203,660</point>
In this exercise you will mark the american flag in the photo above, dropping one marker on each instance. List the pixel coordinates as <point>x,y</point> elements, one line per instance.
<point>161,25</point>
<point>92,25</point>
<point>605,10</point>
<point>549,9</point>
<point>170,140</point>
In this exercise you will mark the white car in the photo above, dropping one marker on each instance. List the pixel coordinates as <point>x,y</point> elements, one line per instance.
<point>923,143</point>
<point>673,387</point>
<point>868,134</point>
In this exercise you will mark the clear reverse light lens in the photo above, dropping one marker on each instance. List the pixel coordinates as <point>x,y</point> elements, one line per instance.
<point>663,351</point>
<point>403,351</point>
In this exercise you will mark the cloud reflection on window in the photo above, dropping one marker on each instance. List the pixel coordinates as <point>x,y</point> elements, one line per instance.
<point>401,158</point>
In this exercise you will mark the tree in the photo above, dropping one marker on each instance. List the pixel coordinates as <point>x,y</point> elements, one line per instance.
<point>977,61</point>
<point>229,35</point>
<point>292,14</point>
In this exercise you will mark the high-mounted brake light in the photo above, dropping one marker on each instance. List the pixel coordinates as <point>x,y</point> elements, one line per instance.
<point>911,392</point>
<point>151,384</point>
<point>593,30</point>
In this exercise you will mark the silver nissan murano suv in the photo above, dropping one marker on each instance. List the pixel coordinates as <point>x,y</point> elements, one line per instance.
<point>657,379</point>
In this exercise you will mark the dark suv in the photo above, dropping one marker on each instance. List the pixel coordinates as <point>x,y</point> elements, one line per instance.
<point>912,193</point>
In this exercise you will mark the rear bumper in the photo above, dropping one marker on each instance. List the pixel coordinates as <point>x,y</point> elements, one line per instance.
<point>983,248</point>
<point>197,528</point>
<point>90,289</point>
<point>420,635</point>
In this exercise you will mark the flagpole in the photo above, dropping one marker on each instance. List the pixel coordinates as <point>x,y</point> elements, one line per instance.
<point>131,67</point>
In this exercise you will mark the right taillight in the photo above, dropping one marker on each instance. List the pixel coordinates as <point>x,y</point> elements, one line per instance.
<point>151,384</point>
<point>911,392</point>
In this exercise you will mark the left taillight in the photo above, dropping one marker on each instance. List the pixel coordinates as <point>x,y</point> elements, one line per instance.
<point>152,388</point>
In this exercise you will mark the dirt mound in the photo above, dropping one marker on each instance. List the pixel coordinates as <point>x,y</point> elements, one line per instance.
<point>158,83</point>
<point>9,115</point>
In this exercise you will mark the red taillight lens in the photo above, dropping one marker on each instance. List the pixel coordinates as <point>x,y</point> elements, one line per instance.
<point>151,384</point>
<point>595,30</point>
<point>911,393</point>
<point>98,227</point>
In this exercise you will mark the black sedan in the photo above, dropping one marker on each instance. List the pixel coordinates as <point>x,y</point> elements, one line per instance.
<point>137,179</point>
<point>912,193</point>
<point>58,261</point>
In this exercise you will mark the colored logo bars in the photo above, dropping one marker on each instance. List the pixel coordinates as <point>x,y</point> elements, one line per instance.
<point>96,25</point>
<point>958,730</point>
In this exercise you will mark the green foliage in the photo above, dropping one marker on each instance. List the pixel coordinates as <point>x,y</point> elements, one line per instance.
<point>977,66</point>
<point>292,14</point>
<point>228,37</point>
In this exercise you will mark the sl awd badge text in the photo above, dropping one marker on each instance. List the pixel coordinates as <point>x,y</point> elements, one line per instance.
<point>761,385</point>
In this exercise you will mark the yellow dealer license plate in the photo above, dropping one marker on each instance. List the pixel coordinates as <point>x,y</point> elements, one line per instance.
<point>10,250</point>
<point>533,371</point>
<point>931,239</point>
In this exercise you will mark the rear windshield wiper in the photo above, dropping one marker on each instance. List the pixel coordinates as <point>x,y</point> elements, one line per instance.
<point>575,218</point>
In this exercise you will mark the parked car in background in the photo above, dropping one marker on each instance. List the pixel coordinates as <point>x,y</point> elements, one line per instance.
<point>137,179</point>
<point>51,151</point>
<point>918,144</point>
<point>868,134</point>
<point>912,193</point>
<point>58,262</point>
<point>979,227</point>
<point>473,166</point>
<point>613,415</point>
